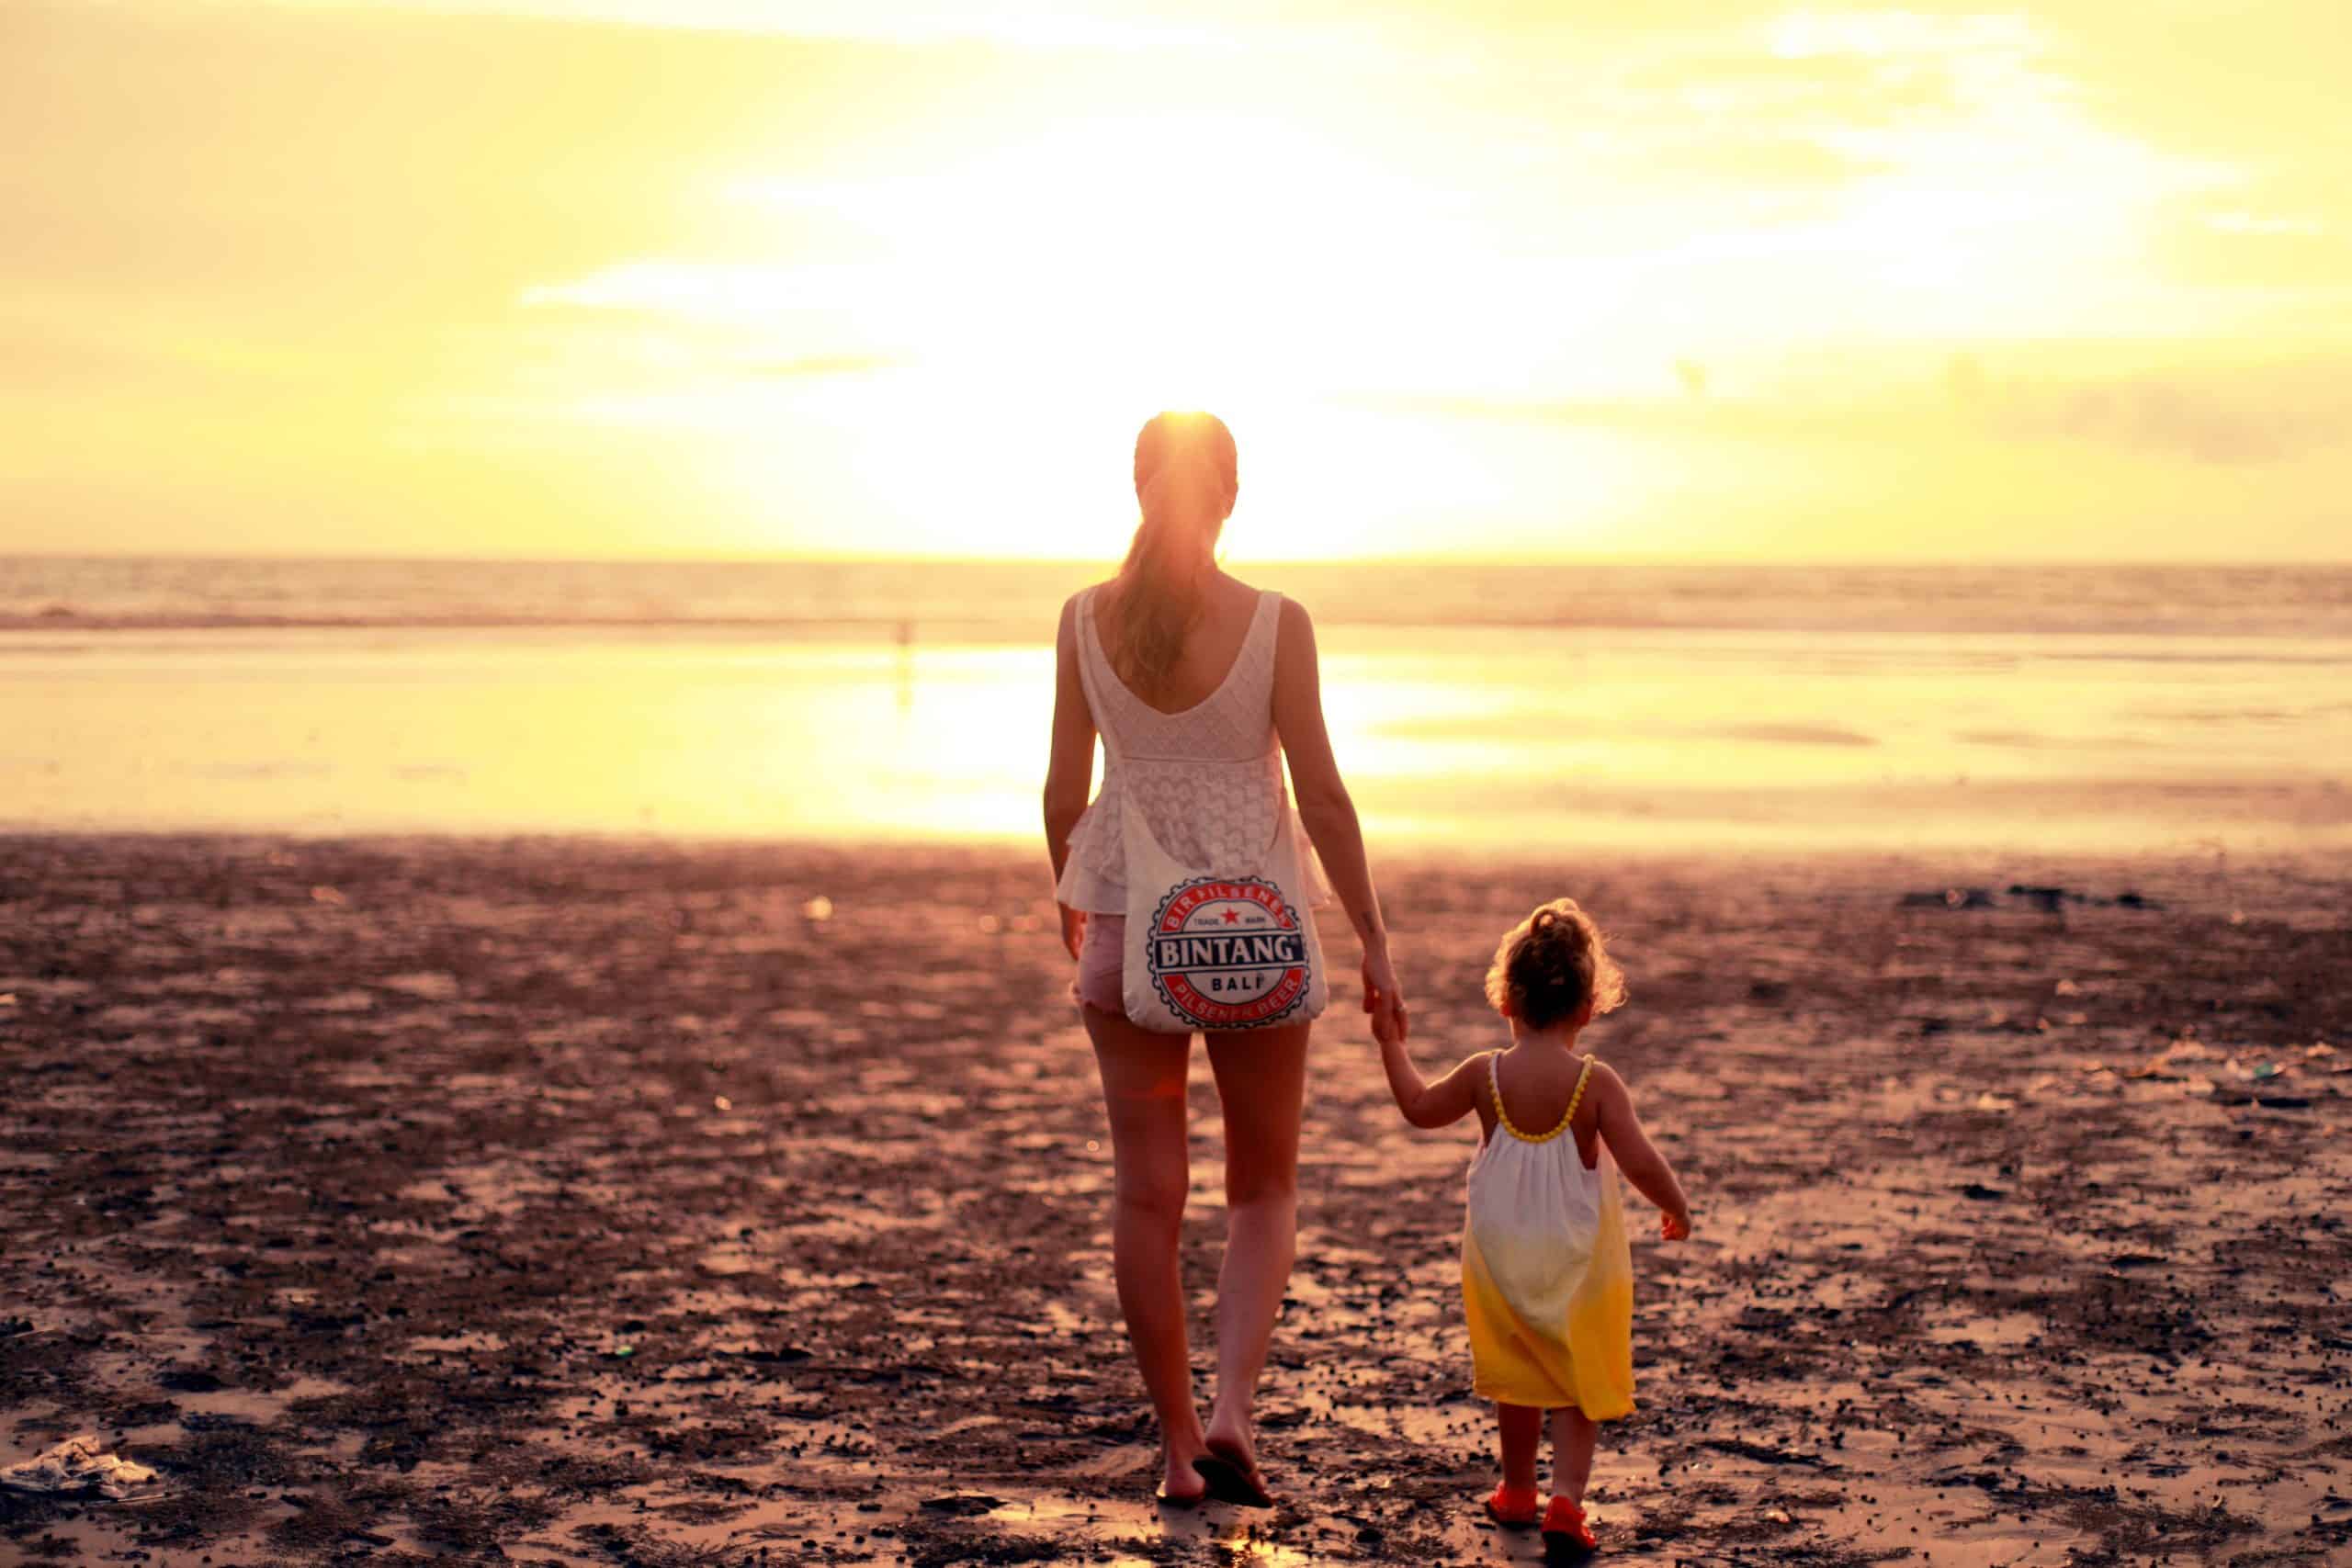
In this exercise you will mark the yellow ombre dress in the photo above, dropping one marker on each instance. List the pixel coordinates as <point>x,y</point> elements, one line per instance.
<point>1547,1278</point>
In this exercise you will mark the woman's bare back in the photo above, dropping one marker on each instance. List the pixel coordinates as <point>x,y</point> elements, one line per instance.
<point>1211,644</point>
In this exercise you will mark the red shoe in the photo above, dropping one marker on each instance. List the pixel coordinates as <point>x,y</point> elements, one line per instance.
<point>1565,1528</point>
<point>1514,1506</point>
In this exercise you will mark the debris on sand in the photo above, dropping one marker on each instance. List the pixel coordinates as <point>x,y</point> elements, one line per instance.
<point>2267,1100</point>
<point>79,1464</point>
<point>2047,899</point>
<point>1949,898</point>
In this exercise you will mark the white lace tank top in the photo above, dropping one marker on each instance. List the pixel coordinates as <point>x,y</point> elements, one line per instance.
<point>1208,779</point>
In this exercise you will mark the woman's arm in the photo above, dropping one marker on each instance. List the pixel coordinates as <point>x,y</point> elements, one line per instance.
<point>1327,812</point>
<point>1425,1104</point>
<point>1070,772</point>
<point>1630,1145</point>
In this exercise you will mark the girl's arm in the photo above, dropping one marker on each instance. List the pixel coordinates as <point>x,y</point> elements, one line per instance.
<point>1329,813</point>
<point>1629,1145</point>
<point>1426,1104</point>
<point>1069,775</point>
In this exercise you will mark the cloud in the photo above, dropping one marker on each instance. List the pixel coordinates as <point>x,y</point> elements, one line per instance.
<point>2254,415</point>
<point>816,365</point>
<point>2225,415</point>
<point>2289,235</point>
<point>1751,162</point>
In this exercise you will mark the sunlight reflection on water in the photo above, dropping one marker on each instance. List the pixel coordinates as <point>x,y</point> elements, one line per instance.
<point>1478,736</point>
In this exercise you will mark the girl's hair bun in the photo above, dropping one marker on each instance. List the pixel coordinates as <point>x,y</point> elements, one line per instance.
<point>1550,964</point>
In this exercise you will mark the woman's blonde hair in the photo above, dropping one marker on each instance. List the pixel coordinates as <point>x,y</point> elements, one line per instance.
<point>1187,476</point>
<point>1550,963</point>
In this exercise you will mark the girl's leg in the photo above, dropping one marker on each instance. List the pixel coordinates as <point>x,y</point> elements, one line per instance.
<point>1572,1438</point>
<point>1262,1081</point>
<point>1522,1434</point>
<point>1143,1090</point>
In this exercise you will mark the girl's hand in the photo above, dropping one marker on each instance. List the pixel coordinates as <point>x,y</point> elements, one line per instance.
<point>1674,1227</point>
<point>1384,998</point>
<point>1073,928</point>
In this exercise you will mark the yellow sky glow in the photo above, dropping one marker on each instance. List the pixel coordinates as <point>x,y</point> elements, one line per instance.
<point>717,276</point>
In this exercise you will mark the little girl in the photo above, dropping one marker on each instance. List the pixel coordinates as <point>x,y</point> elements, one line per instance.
<point>1547,1279</point>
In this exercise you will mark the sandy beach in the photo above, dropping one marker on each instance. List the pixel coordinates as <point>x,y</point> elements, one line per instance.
<point>596,1202</point>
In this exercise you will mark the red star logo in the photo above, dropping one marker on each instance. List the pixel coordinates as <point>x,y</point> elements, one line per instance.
<point>1233,916</point>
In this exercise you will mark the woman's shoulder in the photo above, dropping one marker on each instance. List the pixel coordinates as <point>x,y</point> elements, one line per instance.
<point>1243,600</point>
<point>1235,591</point>
<point>1079,600</point>
<point>1295,621</point>
<point>1241,588</point>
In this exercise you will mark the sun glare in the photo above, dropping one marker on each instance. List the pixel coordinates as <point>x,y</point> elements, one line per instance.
<point>856,276</point>
<point>1038,300</point>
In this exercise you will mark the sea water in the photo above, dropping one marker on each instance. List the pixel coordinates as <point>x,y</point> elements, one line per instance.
<point>1511,707</point>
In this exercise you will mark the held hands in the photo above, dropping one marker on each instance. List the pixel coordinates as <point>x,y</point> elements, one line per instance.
<point>1073,928</point>
<point>1674,1227</point>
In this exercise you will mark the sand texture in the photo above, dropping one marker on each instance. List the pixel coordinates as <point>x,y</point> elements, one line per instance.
<point>551,1201</point>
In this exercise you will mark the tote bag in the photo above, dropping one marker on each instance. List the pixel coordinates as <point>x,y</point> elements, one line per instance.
<point>1225,949</point>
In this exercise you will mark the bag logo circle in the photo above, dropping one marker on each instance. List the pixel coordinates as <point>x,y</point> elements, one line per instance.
<point>1227,952</point>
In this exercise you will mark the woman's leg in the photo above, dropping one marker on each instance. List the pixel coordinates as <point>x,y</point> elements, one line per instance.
<point>1572,1438</point>
<point>1143,1090</point>
<point>1261,1080</point>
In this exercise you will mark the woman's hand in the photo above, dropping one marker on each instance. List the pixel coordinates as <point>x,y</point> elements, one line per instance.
<point>1384,996</point>
<point>1073,928</point>
<point>1674,1227</point>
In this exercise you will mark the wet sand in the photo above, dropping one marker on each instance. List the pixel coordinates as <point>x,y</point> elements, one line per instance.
<point>596,1203</point>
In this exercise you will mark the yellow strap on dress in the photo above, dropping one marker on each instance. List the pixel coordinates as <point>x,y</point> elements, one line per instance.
<point>1494,1083</point>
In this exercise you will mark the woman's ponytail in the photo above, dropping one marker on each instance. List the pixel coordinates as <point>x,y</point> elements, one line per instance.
<point>1186,478</point>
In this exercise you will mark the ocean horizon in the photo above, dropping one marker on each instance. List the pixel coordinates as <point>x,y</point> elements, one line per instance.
<point>1008,598</point>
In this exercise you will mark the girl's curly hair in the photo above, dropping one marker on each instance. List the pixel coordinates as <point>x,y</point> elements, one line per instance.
<point>1549,964</point>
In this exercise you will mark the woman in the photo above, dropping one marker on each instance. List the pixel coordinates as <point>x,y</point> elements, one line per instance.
<point>1203,685</point>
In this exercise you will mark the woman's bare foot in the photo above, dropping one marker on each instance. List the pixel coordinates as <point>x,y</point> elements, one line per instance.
<point>1180,1485</point>
<point>1230,1466</point>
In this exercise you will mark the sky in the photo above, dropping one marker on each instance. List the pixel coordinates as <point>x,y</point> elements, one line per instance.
<point>1695,279</point>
